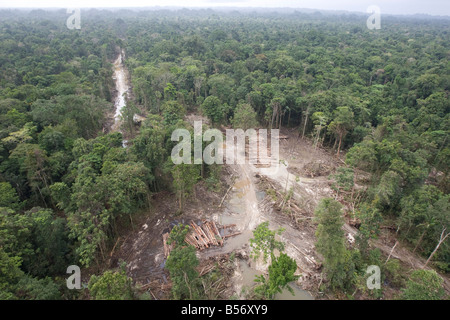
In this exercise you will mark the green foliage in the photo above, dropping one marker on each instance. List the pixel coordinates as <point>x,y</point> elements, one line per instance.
<point>244,117</point>
<point>170,92</point>
<point>111,286</point>
<point>342,122</point>
<point>214,109</point>
<point>281,273</point>
<point>172,112</point>
<point>363,155</point>
<point>149,147</point>
<point>15,285</point>
<point>106,188</point>
<point>49,237</point>
<point>51,140</point>
<point>30,288</point>
<point>87,111</point>
<point>185,176</point>
<point>15,234</point>
<point>384,98</point>
<point>8,196</point>
<point>394,273</point>
<point>127,115</point>
<point>424,285</point>
<point>331,243</point>
<point>320,120</point>
<point>181,264</point>
<point>178,234</point>
<point>344,178</point>
<point>264,242</point>
<point>424,214</point>
<point>10,275</point>
<point>369,229</point>
<point>388,191</point>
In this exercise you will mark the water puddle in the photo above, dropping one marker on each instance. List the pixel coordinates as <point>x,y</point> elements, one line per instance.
<point>299,294</point>
<point>260,195</point>
<point>247,277</point>
<point>241,187</point>
<point>248,274</point>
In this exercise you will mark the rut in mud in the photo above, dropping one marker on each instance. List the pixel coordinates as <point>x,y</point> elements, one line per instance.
<point>122,88</point>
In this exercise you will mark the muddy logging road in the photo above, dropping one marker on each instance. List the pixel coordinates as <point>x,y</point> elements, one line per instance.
<point>246,205</point>
<point>253,198</point>
<point>122,87</point>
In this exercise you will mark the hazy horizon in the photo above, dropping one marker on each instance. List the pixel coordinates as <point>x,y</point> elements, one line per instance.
<point>397,7</point>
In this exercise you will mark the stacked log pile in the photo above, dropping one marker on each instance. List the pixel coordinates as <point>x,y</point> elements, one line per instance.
<point>201,236</point>
<point>204,236</point>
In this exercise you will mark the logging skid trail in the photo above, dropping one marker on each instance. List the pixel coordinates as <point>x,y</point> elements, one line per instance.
<point>221,224</point>
<point>243,209</point>
<point>122,87</point>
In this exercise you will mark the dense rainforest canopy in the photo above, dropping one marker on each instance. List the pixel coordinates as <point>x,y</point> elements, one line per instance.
<point>67,184</point>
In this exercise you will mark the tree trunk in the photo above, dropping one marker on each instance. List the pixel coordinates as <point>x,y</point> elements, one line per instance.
<point>420,240</point>
<point>339,147</point>
<point>202,171</point>
<point>306,121</point>
<point>131,220</point>
<point>441,240</point>
<point>392,250</point>
<point>281,118</point>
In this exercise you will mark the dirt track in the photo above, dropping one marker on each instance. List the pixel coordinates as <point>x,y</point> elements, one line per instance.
<point>244,206</point>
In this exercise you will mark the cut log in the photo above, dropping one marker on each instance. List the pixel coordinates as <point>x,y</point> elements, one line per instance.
<point>228,226</point>
<point>191,241</point>
<point>213,234</point>
<point>200,234</point>
<point>206,228</point>
<point>392,250</point>
<point>216,231</point>
<point>225,196</point>
<point>231,235</point>
<point>112,251</point>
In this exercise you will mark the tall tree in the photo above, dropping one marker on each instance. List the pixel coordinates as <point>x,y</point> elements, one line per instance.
<point>264,242</point>
<point>424,285</point>
<point>281,273</point>
<point>340,125</point>
<point>331,240</point>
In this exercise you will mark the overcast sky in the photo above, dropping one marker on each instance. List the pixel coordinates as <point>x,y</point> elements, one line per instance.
<point>434,7</point>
